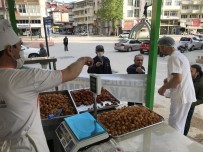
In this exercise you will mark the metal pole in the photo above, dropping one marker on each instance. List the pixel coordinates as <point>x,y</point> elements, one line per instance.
<point>87,27</point>
<point>154,35</point>
<point>29,20</point>
<point>47,45</point>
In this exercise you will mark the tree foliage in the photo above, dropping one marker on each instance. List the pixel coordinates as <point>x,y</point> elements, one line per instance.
<point>111,10</point>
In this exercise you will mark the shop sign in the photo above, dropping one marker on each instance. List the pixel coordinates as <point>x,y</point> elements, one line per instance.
<point>22,25</point>
<point>196,22</point>
<point>128,24</point>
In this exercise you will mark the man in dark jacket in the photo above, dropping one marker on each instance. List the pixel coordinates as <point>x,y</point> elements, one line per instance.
<point>65,42</point>
<point>43,53</point>
<point>101,63</point>
<point>197,77</point>
<point>137,67</point>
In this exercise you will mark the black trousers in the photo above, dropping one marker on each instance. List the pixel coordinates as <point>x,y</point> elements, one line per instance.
<point>188,120</point>
<point>65,47</point>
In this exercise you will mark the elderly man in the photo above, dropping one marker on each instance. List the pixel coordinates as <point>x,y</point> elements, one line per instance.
<point>101,63</point>
<point>20,123</point>
<point>179,81</point>
<point>137,67</point>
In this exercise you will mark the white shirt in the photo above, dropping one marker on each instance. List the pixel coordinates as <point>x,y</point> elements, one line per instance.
<point>184,92</point>
<point>19,107</point>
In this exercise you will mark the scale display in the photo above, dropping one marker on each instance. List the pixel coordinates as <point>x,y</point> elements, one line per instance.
<point>80,130</point>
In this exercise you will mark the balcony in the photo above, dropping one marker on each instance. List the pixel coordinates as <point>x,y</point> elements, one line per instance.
<point>82,8</point>
<point>186,2</point>
<point>196,11</point>
<point>196,2</point>
<point>186,11</point>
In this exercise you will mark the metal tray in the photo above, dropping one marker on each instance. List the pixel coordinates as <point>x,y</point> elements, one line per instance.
<point>47,121</point>
<point>89,108</point>
<point>137,130</point>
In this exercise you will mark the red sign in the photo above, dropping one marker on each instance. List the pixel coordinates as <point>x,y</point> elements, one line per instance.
<point>128,25</point>
<point>196,22</point>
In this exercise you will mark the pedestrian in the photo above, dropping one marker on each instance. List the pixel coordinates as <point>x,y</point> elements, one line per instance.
<point>179,81</point>
<point>20,123</point>
<point>65,42</point>
<point>43,53</point>
<point>197,78</point>
<point>101,64</point>
<point>137,67</point>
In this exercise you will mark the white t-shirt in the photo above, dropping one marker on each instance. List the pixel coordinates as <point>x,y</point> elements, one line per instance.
<point>19,89</point>
<point>184,92</point>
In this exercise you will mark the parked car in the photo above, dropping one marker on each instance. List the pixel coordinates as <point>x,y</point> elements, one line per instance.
<point>145,46</point>
<point>30,52</point>
<point>127,45</point>
<point>83,33</point>
<point>193,42</point>
<point>124,35</point>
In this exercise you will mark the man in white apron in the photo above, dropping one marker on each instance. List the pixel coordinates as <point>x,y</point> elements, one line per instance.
<point>179,81</point>
<point>20,123</point>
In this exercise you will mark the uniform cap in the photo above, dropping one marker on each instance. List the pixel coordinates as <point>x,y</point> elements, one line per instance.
<point>7,35</point>
<point>167,41</point>
<point>99,48</point>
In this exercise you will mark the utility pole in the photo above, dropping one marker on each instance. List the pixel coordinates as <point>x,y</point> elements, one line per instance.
<point>11,10</point>
<point>27,11</point>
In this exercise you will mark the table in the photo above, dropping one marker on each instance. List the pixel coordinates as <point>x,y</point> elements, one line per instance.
<point>158,138</point>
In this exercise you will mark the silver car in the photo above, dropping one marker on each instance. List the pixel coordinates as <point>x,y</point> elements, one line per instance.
<point>127,45</point>
<point>192,42</point>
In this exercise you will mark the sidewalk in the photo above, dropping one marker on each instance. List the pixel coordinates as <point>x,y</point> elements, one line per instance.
<point>35,41</point>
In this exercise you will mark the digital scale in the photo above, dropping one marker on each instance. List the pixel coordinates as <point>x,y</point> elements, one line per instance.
<point>79,131</point>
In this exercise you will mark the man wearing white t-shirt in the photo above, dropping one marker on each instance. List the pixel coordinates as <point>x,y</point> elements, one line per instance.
<point>20,123</point>
<point>179,81</point>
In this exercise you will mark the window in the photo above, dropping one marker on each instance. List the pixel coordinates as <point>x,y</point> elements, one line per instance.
<point>166,13</point>
<point>130,2</point>
<point>183,16</point>
<point>193,16</point>
<point>21,8</point>
<point>136,13</point>
<point>173,13</point>
<point>168,2</point>
<point>137,3</point>
<point>129,13</point>
<point>185,7</point>
<point>177,2</point>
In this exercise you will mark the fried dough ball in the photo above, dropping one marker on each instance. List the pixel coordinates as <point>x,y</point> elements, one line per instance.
<point>127,119</point>
<point>50,102</point>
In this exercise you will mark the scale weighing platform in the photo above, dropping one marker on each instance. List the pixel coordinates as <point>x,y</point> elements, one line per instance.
<point>80,130</point>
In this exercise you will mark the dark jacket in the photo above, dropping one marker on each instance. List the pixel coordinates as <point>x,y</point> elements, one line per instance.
<point>42,52</point>
<point>65,41</point>
<point>103,69</point>
<point>132,69</point>
<point>198,84</point>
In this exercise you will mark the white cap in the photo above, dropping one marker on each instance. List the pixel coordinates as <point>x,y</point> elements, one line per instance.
<point>7,35</point>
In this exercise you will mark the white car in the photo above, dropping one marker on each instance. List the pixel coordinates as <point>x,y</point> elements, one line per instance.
<point>83,33</point>
<point>30,52</point>
<point>124,35</point>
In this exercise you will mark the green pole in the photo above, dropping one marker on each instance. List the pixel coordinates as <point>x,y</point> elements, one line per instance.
<point>11,10</point>
<point>154,35</point>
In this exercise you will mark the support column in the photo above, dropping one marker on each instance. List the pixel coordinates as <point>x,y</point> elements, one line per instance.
<point>154,36</point>
<point>11,10</point>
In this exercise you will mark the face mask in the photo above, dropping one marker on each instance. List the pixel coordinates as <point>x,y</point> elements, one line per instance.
<point>100,54</point>
<point>20,61</point>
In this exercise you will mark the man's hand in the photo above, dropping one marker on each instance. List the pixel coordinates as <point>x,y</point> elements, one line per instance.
<point>165,80</point>
<point>88,61</point>
<point>98,64</point>
<point>139,70</point>
<point>162,90</point>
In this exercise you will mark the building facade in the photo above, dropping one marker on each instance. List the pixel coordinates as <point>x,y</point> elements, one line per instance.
<point>3,13</point>
<point>29,16</point>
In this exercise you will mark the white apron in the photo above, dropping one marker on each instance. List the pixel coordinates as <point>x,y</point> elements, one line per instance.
<point>33,141</point>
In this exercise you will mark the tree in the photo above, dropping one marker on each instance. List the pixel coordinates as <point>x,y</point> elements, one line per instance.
<point>111,11</point>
